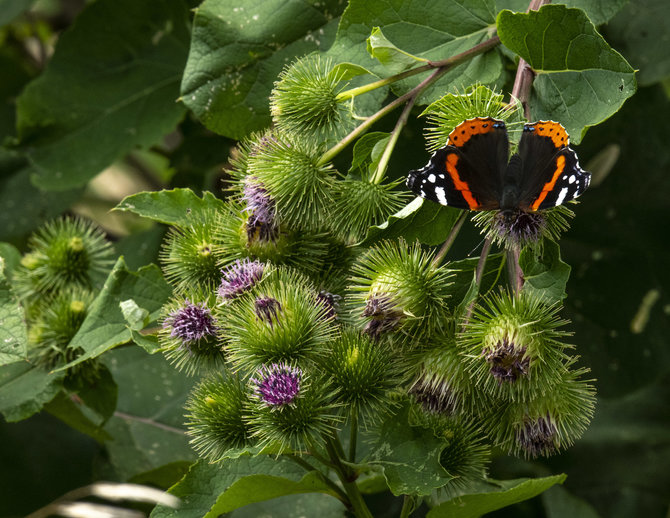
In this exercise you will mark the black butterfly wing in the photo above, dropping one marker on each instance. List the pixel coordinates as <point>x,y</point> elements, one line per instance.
<point>550,170</point>
<point>467,172</point>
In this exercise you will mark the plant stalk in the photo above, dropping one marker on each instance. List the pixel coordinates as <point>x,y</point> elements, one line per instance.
<point>358,505</point>
<point>407,506</point>
<point>340,494</point>
<point>450,238</point>
<point>353,434</point>
<point>440,67</point>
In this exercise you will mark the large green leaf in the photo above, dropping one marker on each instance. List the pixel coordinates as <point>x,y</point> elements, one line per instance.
<point>640,32</point>
<point>237,50</point>
<point>581,80</point>
<point>545,274</point>
<point>110,86</point>
<point>431,30</point>
<point>175,207</point>
<point>500,494</point>
<point>105,325</point>
<point>25,206</point>
<point>209,490</point>
<point>409,457</point>
<point>421,220</point>
<point>290,506</point>
<point>10,9</point>
<point>24,389</point>
<point>598,11</point>
<point>13,333</point>
<point>148,425</point>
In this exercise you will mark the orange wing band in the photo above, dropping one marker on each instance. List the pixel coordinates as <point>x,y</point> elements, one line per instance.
<point>555,131</point>
<point>466,130</point>
<point>560,165</point>
<point>452,160</point>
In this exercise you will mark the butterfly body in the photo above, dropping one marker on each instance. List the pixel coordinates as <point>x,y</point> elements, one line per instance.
<point>474,170</point>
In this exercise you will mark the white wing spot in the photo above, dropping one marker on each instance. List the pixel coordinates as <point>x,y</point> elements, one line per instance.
<point>572,179</point>
<point>561,195</point>
<point>431,178</point>
<point>441,197</point>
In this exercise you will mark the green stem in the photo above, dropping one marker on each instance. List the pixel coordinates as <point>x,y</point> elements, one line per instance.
<point>340,495</point>
<point>353,433</point>
<point>358,505</point>
<point>479,273</point>
<point>514,268</point>
<point>353,92</point>
<point>441,68</point>
<point>407,506</point>
<point>312,451</point>
<point>450,238</point>
<point>393,139</point>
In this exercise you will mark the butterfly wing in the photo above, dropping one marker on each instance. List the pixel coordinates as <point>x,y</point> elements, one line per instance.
<point>550,171</point>
<point>467,172</point>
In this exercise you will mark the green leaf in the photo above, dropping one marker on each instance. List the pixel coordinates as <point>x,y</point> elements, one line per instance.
<point>640,32</point>
<point>429,30</point>
<point>291,506</point>
<point>176,207</point>
<point>105,326</point>
<point>24,389</point>
<point>110,86</point>
<point>136,317</point>
<point>388,54</point>
<point>26,207</point>
<point>581,80</point>
<point>65,409</point>
<point>11,257</point>
<point>10,9</point>
<point>501,494</point>
<point>420,220</point>
<point>13,332</point>
<point>147,426</point>
<point>208,490</point>
<point>99,395</point>
<point>598,11</point>
<point>237,51</point>
<point>367,153</point>
<point>545,275</point>
<point>409,457</point>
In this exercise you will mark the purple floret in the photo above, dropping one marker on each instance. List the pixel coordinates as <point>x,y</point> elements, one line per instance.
<point>191,322</point>
<point>277,384</point>
<point>239,277</point>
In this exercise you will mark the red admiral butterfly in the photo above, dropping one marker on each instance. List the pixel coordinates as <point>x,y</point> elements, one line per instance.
<point>473,170</point>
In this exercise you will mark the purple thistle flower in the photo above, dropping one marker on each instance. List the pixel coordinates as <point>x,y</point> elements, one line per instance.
<point>519,226</point>
<point>385,316</point>
<point>277,384</point>
<point>536,437</point>
<point>330,302</point>
<point>240,277</point>
<point>259,203</point>
<point>191,322</point>
<point>267,309</point>
<point>436,398</point>
<point>507,361</point>
<point>261,207</point>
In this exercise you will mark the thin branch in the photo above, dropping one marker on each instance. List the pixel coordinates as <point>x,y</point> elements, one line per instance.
<point>148,421</point>
<point>341,495</point>
<point>524,73</point>
<point>450,238</point>
<point>441,67</point>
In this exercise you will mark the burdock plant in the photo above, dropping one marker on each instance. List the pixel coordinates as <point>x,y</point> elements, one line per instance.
<point>324,317</point>
<point>332,337</point>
